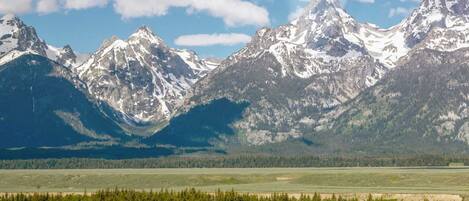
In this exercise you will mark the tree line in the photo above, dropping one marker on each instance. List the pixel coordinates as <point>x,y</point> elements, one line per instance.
<point>248,161</point>
<point>185,195</point>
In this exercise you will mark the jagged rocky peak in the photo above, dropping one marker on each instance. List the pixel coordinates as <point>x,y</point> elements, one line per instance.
<point>145,33</point>
<point>67,56</point>
<point>318,8</point>
<point>15,35</point>
<point>143,37</point>
<point>141,77</point>
<point>320,40</point>
<point>67,49</point>
<point>458,7</point>
<point>435,20</point>
<point>323,12</point>
<point>11,20</point>
<point>324,26</point>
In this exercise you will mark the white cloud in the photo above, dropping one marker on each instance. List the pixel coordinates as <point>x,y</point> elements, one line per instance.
<point>15,6</point>
<point>399,11</point>
<point>415,1</point>
<point>84,4</point>
<point>145,8</point>
<point>50,6</point>
<point>366,1</point>
<point>47,6</point>
<point>212,39</point>
<point>233,12</point>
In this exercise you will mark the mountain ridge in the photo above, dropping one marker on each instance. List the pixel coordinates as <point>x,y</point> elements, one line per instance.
<point>324,81</point>
<point>321,60</point>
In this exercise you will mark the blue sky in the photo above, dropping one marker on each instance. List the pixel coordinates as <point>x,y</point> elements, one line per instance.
<point>84,24</point>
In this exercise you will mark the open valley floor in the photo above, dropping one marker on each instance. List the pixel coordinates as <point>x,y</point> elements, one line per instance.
<point>399,183</point>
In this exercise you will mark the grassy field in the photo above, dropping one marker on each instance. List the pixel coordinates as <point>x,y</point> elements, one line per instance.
<point>310,180</point>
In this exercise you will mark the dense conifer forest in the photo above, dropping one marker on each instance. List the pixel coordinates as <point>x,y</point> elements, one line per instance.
<point>236,162</point>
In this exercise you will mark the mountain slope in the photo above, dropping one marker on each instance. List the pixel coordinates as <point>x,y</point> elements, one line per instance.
<point>201,126</point>
<point>424,102</point>
<point>142,77</point>
<point>44,104</point>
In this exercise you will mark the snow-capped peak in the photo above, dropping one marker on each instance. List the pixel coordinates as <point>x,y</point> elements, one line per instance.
<point>438,24</point>
<point>11,20</point>
<point>142,77</point>
<point>316,6</point>
<point>324,34</point>
<point>324,11</point>
<point>16,37</point>
<point>322,4</point>
<point>145,33</point>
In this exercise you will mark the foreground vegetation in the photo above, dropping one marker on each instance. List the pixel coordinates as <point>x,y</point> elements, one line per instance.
<point>186,195</point>
<point>236,162</point>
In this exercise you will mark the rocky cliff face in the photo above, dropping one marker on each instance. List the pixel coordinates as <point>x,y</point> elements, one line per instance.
<point>141,77</point>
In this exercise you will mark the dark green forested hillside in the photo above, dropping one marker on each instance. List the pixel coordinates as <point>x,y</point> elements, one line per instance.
<point>40,106</point>
<point>420,107</point>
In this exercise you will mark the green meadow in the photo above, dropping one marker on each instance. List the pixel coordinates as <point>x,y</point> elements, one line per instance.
<point>288,180</point>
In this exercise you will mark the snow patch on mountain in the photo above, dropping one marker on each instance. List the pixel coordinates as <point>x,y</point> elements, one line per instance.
<point>142,77</point>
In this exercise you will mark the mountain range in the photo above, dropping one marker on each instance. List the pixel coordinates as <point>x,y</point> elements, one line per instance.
<point>324,83</point>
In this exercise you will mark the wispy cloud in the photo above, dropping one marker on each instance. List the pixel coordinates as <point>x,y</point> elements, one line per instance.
<point>228,39</point>
<point>366,1</point>
<point>414,1</point>
<point>399,11</point>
